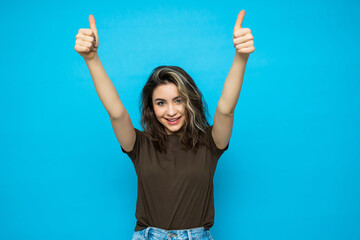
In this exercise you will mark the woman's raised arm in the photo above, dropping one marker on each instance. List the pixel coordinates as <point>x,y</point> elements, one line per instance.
<point>87,42</point>
<point>224,114</point>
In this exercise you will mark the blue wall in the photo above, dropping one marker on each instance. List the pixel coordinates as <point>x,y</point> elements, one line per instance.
<point>292,167</point>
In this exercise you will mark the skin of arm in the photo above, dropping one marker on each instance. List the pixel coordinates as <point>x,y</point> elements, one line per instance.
<point>232,86</point>
<point>86,44</point>
<point>119,117</point>
<point>224,114</point>
<point>105,88</point>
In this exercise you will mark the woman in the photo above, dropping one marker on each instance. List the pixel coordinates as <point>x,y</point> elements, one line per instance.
<point>176,155</point>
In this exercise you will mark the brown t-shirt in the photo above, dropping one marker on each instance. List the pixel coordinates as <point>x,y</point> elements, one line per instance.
<point>175,190</point>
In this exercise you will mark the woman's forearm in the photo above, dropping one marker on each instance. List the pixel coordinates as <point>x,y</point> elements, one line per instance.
<point>244,44</point>
<point>105,88</point>
<point>233,82</point>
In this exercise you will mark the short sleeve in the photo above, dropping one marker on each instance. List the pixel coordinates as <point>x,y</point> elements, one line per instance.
<point>216,151</point>
<point>135,151</point>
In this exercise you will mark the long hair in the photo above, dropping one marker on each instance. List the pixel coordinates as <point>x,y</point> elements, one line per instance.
<point>196,111</point>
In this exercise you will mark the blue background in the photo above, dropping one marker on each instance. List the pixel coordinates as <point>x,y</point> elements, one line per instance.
<point>292,167</point>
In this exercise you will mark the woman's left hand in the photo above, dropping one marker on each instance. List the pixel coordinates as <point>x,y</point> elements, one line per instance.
<point>242,37</point>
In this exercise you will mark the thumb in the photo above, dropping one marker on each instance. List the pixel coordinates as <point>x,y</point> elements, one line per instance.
<point>93,27</point>
<point>239,20</point>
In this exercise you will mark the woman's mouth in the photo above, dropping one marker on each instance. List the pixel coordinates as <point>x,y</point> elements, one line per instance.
<point>173,122</point>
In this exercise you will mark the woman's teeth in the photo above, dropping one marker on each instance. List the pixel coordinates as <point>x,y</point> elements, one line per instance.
<point>173,120</point>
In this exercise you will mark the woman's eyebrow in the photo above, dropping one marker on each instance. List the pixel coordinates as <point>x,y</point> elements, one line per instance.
<point>165,100</point>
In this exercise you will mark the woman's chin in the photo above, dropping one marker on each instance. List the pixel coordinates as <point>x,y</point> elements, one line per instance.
<point>175,129</point>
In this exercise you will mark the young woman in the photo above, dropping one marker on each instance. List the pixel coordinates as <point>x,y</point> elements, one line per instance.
<point>176,155</point>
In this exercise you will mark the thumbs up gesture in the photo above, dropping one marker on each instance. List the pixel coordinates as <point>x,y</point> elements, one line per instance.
<point>87,40</point>
<point>242,37</point>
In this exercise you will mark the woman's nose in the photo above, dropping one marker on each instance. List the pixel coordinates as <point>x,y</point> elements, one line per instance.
<point>171,110</point>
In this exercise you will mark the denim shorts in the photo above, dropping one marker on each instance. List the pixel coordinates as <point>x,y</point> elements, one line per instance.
<point>153,233</point>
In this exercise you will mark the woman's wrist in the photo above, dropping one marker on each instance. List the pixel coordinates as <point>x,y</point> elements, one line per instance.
<point>93,59</point>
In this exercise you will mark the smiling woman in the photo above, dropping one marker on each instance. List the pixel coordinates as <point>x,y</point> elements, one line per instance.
<point>171,103</point>
<point>175,158</point>
<point>169,110</point>
<point>176,155</point>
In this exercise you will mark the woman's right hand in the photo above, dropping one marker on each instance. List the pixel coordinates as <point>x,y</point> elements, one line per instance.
<point>87,40</point>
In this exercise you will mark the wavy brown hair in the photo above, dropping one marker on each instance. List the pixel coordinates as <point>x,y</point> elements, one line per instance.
<point>192,133</point>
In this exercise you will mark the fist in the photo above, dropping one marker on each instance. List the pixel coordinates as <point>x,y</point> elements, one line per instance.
<point>87,40</point>
<point>242,37</point>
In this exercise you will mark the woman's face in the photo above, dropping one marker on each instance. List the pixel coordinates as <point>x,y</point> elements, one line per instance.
<point>168,105</point>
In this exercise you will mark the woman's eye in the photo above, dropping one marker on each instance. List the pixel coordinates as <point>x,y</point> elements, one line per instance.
<point>178,100</point>
<point>160,103</point>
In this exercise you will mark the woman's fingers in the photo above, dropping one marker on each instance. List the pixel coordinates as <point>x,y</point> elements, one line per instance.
<point>87,31</point>
<point>244,45</point>
<point>239,20</point>
<point>84,43</point>
<point>247,47</point>
<point>85,46</point>
<point>243,39</point>
<point>241,32</point>
<point>93,28</point>
<point>246,50</point>
<point>81,49</point>
<point>85,38</point>
<point>82,46</point>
